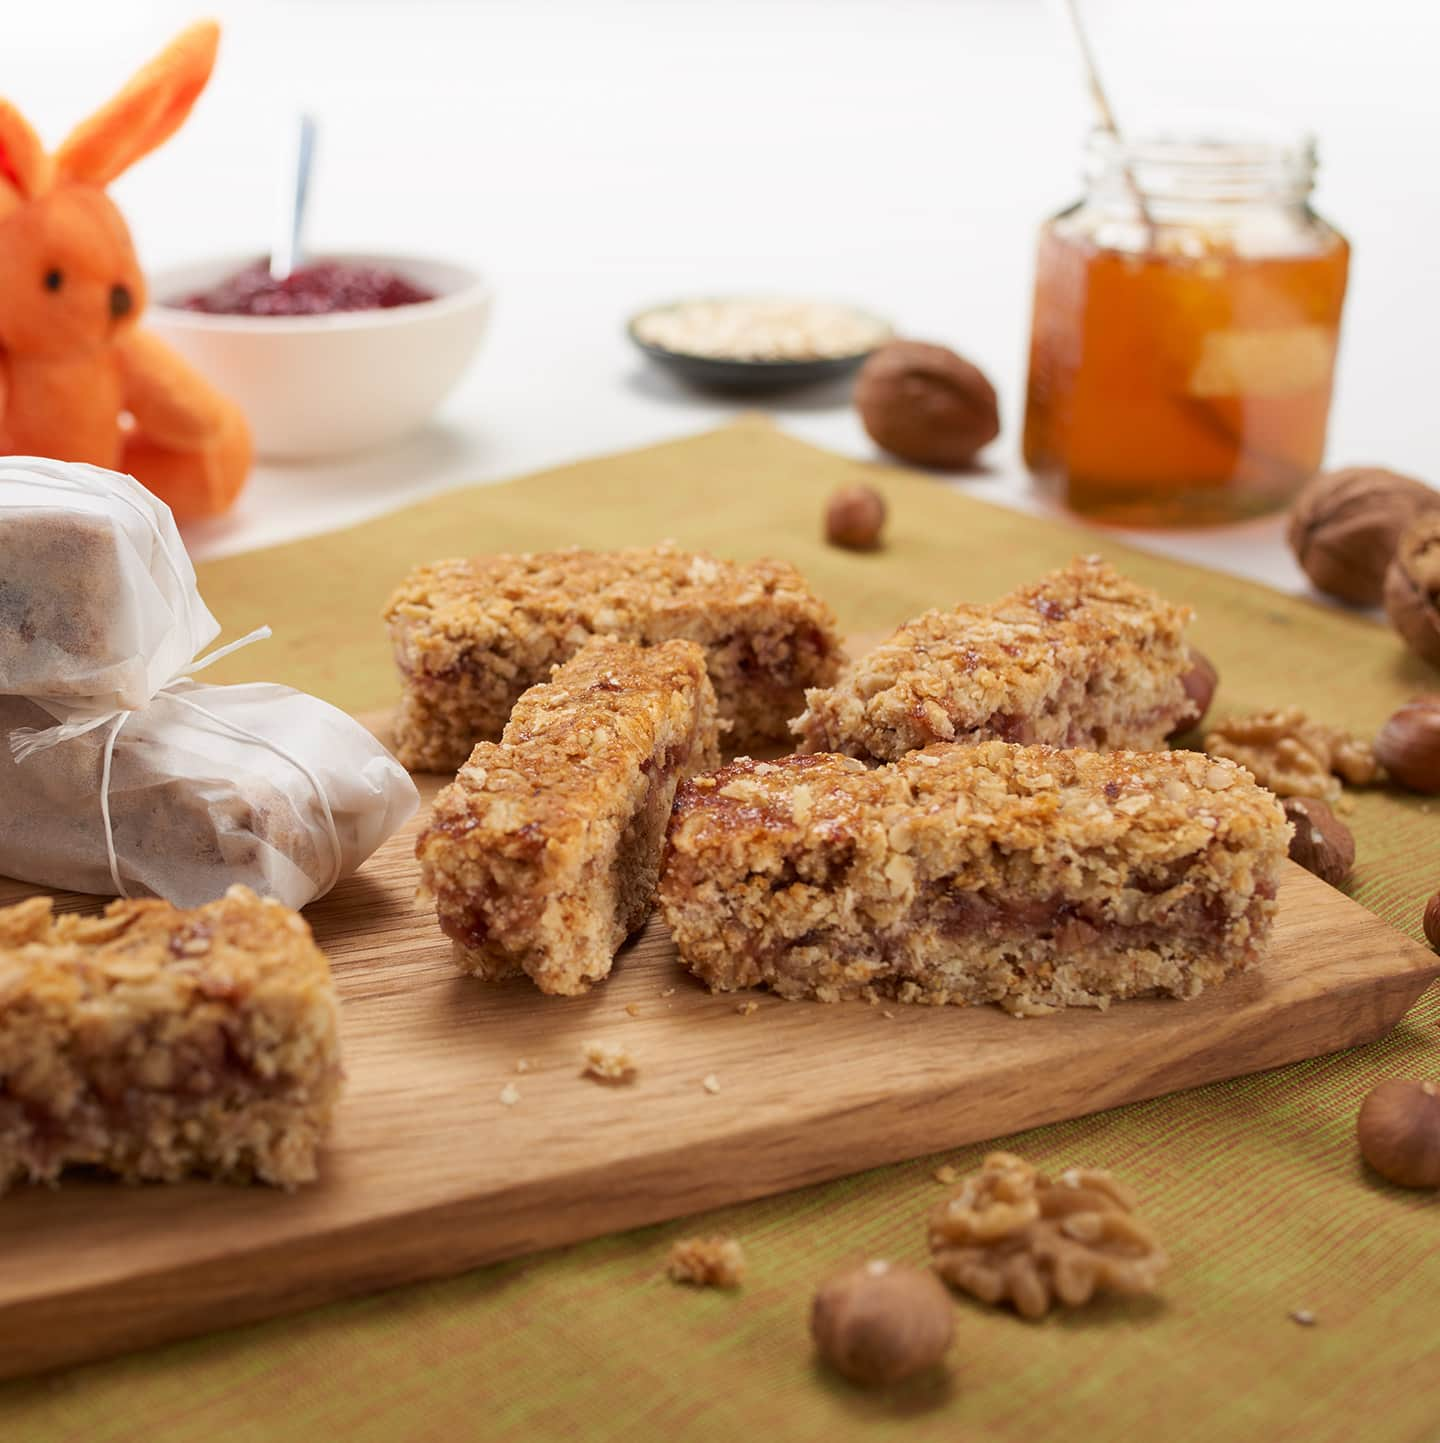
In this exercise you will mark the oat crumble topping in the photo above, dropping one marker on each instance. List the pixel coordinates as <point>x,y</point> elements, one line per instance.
<point>1080,658</point>
<point>707,1262</point>
<point>471,635</point>
<point>608,1062</point>
<point>543,854</point>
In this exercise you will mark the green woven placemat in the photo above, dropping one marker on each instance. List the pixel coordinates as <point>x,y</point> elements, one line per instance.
<point>1254,1185</point>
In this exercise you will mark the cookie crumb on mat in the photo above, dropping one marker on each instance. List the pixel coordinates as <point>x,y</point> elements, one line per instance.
<point>633,1009</point>
<point>946,1174</point>
<point>509,1094</point>
<point>1303,1316</point>
<point>606,1062</point>
<point>711,1083</point>
<point>713,1262</point>
<point>668,992</point>
<point>746,1008</point>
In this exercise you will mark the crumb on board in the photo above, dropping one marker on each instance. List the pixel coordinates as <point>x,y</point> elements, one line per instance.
<point>509,1094</point>
<point>667,992</point>
<point>522,1064</point>
<point>710,1083</point>
<point>633,1008</point>
<point>887,1013</point>
<point>746,1008</point>
<point>607,1062</point>
<point>1303,1316</point>
<point>712,1262</point>
<point>946,1175</point>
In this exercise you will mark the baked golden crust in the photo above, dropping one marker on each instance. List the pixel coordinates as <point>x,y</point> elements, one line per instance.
<point>1080,658</point>
<point>543,853</point>
<point>470,636</point>
<point>155,1042</point>
<point>1028,876</point>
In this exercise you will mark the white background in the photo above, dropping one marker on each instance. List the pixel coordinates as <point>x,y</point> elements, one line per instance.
<point>594,156</point>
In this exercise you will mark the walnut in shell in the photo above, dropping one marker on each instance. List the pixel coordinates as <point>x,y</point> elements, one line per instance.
<point>1344,527</point>
<point>926,405</point>
<point>1011,1233</point>
<point>1293,756</point>
<point>1412,587</point>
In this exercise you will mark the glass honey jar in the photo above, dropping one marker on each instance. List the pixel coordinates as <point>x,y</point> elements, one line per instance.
<point>1187,313</point>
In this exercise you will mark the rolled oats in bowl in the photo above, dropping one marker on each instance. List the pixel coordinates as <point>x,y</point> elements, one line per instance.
<point>756,342</point>
<point>759,329</point>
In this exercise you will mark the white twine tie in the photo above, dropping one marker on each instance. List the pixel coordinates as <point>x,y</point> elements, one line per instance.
<point>26,742</point>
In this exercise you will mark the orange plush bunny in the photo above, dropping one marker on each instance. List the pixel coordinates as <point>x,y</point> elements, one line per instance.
<point>78,381</point>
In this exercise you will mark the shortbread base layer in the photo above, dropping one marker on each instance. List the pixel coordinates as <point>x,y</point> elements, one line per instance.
<point>955,948</point>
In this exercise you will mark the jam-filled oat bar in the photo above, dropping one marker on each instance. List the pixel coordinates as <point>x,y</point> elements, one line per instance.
<point>471,635</point>
<point>1031,877</point>
<point>154,1042</point>
<point>543,853</point>
<point>1081,658</point>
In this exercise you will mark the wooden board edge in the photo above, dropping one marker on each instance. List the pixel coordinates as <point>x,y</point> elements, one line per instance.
<point>219,1293</point>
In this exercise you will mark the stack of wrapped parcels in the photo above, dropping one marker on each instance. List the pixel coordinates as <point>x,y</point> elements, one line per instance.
<point>121,773</point>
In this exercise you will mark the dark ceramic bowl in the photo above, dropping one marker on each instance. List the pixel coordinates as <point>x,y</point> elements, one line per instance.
<point>743,377</point>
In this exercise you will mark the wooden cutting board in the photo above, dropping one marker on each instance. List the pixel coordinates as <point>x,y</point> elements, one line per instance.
<point>428,1173</point>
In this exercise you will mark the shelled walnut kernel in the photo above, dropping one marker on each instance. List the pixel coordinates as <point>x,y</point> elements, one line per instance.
<point>1293,756</point>
<point>1011,1233</point>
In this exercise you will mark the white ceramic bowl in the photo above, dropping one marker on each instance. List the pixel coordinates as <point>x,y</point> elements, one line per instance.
<point>326,385</point>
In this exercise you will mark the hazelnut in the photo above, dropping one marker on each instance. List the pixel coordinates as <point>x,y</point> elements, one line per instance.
<point>1408,745</point>
<point>926,405</point>
<point>1322,843</point>
<point>1412,587</point>
<point>1200,683</point>
<point>1432,921</point>
<point>1344,527</point>
<point>855,517</point>
<point>1399,1132</point>
<point>878,1323</point>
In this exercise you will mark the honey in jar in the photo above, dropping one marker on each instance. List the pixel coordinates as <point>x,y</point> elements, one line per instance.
<point>1187,314</point>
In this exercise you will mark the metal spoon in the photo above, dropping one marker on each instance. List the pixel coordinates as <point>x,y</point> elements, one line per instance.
<point>287,254</point>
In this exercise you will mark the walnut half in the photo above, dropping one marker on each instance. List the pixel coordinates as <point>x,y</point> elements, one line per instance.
<point>1293,756</point>
<point>1011,1232</point>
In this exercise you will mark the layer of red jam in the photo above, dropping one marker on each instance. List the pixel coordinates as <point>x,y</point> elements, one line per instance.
<point>315,290</point>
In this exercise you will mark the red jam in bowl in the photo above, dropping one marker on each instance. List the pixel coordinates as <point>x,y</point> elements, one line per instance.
<point>314,290</point>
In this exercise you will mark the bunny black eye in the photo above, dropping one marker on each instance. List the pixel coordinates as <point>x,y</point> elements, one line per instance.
<point>52,280</point>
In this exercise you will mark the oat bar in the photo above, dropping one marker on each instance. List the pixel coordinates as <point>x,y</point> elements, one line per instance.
<point>471,635</point>
<point>543,853</point>
<point>1031,877</point>
<point>1081,658</point>
<point>154,1042</point>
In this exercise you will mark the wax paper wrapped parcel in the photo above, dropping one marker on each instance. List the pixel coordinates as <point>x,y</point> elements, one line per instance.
<point>205,786</point>
<point>98,603</point>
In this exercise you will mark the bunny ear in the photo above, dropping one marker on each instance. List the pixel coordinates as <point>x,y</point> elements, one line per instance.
<point>146,112</point>
<point>23,163</point>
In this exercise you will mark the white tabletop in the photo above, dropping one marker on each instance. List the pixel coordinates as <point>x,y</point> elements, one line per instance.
<point>597,155</point>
